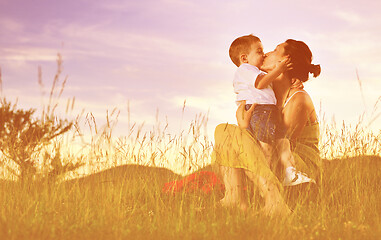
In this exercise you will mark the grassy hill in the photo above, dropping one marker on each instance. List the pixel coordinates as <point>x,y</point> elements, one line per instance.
<point>126,202</point>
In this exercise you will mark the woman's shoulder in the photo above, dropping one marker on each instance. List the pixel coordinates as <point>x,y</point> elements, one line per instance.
<point>300,101</point>
<point>299,97</point>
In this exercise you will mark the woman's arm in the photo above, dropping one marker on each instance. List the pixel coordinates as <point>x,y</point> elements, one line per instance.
<point>296,113</point>
<point>243,116</point>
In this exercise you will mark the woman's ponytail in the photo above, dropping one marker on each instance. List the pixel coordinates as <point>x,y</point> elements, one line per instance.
<point>315,70</point>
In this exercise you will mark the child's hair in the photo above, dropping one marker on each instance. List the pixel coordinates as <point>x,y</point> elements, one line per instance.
<point>301,58</point>
<point>241,45</point>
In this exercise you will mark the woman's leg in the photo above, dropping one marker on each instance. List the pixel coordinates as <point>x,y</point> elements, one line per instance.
<point>234,194</point>
<point>237,148</point>
<point>274,202</point>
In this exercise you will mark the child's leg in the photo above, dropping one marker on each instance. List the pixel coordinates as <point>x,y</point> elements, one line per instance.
<point>263,128</point>
<point>292,177</point>
<point>267,150</point>
<point>285,154</point>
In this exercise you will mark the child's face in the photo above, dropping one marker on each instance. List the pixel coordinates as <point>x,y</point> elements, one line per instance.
<point>255,56</point>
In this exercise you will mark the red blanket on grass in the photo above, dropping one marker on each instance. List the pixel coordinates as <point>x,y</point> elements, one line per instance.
<point>203,181</point>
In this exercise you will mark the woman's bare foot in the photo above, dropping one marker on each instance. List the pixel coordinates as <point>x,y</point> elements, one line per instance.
<point>229,203</point>
<point>226,202</point>
<point>276,210</point>
<point>275,205</point>
<point>244,206</point>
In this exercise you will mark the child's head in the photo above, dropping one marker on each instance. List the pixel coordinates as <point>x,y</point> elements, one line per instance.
<point>247,49</point>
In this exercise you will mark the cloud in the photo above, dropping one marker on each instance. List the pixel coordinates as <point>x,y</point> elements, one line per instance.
<point>135,44</point>
<point>10,25</point>
<point>349,17</point>
<point>158,53</point>
<point>347,49</point>
<point>155,5</point>
<point>29,54</point>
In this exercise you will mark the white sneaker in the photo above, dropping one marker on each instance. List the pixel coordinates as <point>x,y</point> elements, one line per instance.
<point>293,177</point>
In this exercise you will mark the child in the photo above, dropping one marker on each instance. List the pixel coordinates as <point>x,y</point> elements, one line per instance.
<point>255,87</point>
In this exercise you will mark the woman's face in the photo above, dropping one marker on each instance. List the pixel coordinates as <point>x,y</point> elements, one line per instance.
<point>271,58</point>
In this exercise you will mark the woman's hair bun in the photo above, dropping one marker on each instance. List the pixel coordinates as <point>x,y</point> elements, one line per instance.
<point>315,69</point>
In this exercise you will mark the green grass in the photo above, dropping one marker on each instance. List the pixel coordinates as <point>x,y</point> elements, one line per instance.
<point>126,202</point>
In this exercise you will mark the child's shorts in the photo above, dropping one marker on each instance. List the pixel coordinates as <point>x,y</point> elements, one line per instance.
<point>266,124</point>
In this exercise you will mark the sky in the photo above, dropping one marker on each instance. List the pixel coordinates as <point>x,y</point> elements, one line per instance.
<point>150,56</point>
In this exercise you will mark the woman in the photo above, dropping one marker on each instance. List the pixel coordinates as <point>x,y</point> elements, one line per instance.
<point>237,152</point>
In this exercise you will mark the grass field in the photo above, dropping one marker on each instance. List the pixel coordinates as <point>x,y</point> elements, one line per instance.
<point>115,190</point>
<point>124,199</point>
<point>126,202</point>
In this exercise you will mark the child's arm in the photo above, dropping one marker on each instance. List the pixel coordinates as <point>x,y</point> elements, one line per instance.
<point>263,81</point>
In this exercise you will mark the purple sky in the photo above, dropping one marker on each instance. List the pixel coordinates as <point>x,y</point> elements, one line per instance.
<point>158,53</point>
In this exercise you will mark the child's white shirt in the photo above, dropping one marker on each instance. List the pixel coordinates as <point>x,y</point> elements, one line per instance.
<point>244,86</point>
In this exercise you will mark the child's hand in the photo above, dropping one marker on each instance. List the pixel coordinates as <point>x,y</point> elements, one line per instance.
<point>284,65</point>
<point>296,83</point>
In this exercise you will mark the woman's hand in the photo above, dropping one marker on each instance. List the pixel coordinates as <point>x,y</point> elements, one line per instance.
<point>243,116</point>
